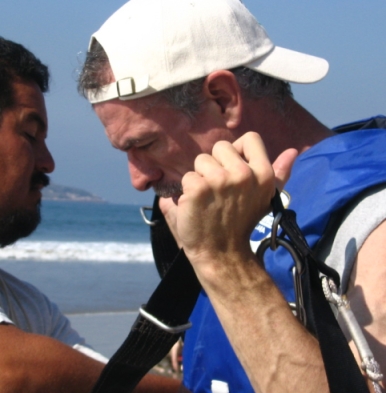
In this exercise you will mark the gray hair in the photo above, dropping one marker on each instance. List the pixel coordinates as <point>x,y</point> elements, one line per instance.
<point>187,97</point>
<point>95,71</point>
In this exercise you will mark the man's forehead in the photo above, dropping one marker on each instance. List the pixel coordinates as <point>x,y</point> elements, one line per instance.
<point>29,100</point>
<point>28,93</point>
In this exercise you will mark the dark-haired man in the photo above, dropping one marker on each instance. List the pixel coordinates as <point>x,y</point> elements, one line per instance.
<point>178,85</point>
<point>36,339</point>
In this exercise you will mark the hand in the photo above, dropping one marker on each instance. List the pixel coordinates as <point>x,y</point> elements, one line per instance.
<point>175,356</point>
<point>226,195</point>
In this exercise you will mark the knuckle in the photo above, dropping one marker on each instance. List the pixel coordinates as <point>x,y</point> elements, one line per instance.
<point>219,146</point>
<point>200,160</point>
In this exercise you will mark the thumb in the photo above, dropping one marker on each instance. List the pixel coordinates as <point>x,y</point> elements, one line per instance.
<point>283,165</point>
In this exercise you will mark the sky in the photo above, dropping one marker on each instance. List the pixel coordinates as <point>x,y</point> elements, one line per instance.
<point>350,34</point>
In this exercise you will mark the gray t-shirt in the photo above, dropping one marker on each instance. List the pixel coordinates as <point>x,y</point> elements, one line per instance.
<point>30,310</point>
<point>363,216</point>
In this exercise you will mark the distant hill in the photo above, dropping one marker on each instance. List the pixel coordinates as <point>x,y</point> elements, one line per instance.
<point>55,192</point>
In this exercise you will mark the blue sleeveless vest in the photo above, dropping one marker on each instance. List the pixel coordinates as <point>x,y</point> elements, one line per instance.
<point>323,180</point>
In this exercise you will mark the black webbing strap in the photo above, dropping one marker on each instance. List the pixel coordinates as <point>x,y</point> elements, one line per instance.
<point>163,244</point>
<point>342,370</point>
<point>147,344</point>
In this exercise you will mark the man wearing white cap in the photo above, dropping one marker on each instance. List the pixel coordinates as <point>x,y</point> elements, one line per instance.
<point>178,85</point>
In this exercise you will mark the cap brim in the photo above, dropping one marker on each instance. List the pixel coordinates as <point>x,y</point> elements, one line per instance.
<point>291,66</point>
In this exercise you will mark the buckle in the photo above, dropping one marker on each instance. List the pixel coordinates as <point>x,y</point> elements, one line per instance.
<point>144,209</point>
<point>125,87</point>
<point>163,326</point>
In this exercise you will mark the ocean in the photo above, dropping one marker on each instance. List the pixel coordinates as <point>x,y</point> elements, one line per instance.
<point>87,257</point>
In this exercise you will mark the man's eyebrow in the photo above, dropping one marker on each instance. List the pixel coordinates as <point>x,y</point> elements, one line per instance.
<point>127,145</point>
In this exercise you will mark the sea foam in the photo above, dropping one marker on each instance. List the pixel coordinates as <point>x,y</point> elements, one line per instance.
<point>78,251</point>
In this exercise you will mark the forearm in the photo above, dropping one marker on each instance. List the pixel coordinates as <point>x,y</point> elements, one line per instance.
<point>32,363</point>
<point>222,200</point>
<point>151,383</point>
<point>277,353</point>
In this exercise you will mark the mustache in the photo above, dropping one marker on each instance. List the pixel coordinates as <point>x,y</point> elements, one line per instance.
<point>39,178</point>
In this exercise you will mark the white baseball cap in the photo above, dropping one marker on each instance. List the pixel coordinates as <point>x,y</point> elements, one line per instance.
<point>153,45</point>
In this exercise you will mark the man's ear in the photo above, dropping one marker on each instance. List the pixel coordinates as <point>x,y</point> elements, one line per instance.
<point>222,88</point>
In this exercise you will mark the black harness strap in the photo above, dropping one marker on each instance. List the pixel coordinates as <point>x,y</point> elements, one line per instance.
<point>342,370</point>
<point>163,244</point>
<point>171,304</point>
<point>367,124</point>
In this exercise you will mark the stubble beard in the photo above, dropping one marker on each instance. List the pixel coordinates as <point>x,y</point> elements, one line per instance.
<point>18,224</point>
<point>168,190</point>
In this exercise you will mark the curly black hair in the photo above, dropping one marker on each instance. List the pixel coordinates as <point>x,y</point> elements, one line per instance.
<point>18,63</point>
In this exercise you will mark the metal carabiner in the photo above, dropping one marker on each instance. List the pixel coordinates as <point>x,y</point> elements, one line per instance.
<point>275,228</point>
<point>273,242</point>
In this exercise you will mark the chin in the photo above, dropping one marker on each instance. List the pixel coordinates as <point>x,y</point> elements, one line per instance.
<point>18,224</point>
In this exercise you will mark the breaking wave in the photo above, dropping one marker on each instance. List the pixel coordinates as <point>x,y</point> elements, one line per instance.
<point>78,251</point>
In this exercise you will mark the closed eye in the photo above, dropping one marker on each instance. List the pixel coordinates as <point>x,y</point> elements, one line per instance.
<point>144,147</point>
<point>30,136</point>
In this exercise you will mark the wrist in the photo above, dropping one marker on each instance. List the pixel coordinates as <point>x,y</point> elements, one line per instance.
<point>229,273</point>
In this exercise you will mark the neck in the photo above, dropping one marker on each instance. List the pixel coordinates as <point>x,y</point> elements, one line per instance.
<point>291,126</point>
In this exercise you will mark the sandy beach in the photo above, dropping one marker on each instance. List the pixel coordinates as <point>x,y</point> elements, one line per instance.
<point>105,331</point>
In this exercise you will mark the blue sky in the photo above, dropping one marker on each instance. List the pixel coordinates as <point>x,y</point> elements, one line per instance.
<point>350,34</point>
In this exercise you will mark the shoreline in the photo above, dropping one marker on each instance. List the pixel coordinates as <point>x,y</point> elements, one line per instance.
<point>102,313</point>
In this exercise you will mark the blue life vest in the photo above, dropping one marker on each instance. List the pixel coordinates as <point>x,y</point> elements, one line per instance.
<point>323,180</point>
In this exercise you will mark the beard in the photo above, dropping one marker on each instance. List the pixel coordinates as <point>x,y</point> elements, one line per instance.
<point>168,190</point>
<point>22,222</point>
<point>18,224</point>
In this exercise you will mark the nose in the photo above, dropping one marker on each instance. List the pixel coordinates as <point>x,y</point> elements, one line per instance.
<point>142,176</point>
<point>44,161</point>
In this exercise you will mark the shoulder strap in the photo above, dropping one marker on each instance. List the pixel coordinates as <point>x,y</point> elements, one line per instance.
<point>162,320</point>
<point>366,124</point>
<point>342,371</point>
<point>163,244</point>
<point>327,239</point>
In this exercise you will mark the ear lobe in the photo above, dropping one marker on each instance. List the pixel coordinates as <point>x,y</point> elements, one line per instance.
<point>223,89</point>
